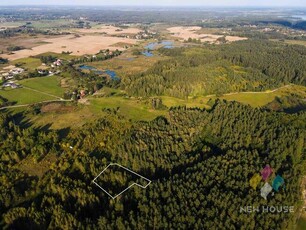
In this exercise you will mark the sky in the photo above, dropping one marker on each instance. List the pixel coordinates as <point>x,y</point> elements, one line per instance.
<point>235,3</point>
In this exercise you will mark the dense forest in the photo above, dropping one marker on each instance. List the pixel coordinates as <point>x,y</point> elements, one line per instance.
<point>200,163</point>
<point>239,66</point>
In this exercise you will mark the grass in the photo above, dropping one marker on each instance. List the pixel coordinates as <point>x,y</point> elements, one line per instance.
<point>66,57</point>
<point>200,102</point>
<point>126,67</point>
<point>263,98</point>
<point>82,114</point>
<point>49,85</point>
<point>28,63</point>
<point>136,109</point>
<point>130,108</point>
<point>24,96</point>
<point>255,100</point>
<point>296,42</point>
<point>49,24</point>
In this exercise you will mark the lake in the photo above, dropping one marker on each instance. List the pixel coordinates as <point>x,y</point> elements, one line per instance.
<point>165,44</point>
<point>87,67</point>
<point>154,45</point>
<point>110,73</point>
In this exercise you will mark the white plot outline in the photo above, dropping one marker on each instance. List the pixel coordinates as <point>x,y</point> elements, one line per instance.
<point>114,197</point>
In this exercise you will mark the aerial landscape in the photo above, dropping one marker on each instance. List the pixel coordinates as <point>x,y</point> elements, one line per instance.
<point>117,115</point>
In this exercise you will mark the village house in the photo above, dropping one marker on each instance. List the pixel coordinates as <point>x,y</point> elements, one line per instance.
<point>58,62</point>
<point>16,71</point>
<point>11,84</point>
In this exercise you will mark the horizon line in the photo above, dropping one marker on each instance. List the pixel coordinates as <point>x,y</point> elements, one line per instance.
<point>169,6</point>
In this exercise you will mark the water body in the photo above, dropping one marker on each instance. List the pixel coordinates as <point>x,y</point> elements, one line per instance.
<point>110,73</point>
<point>154,45</point>
<point>165,44</point>
<point>148,54</point>
<point>87,67</point>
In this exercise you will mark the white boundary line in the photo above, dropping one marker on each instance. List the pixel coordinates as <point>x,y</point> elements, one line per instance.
<point>114,197</point>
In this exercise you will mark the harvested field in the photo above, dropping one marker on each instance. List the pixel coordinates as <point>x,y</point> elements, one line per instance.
<point>193,32</point>
<point>78,45</point>
<point>24,41</point>
<point>110,30</point>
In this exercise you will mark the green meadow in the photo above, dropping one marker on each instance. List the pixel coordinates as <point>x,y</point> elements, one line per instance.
<point>50,84</point>
<point>24,96</point>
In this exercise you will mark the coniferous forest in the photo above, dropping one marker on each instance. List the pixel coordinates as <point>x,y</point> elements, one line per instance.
<point>240,66</point>
<point>200,163</point>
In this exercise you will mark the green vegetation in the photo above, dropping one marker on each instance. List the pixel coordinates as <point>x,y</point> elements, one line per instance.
<point>197,161</point>
<point>23,96</point>
<point>15,48</point>
<point>35,90</point>
<point>301,224</point>
<point>199,121</point>
<point>240,66</point>
<point>27,63</point>
<point>50,84</point>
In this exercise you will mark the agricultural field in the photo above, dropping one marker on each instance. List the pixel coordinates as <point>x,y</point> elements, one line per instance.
<point>27,42</point>
<point>24,96</point>
<point>34,90</point>
<point>110,30</point>
<point>28,63</point>
<point>78,45</point>
<point>50,85</point>
<point>195,32</point>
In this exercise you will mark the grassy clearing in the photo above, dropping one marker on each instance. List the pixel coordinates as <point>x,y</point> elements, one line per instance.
<point>200,102</point>
<point>261,99</point>
<point>135,109</point>
<point>11,24</point>
<point>124,67</point>
<point>49,24</point>
<point>255,100</point>
<point>24,96</point>
<point>296,42</point>
<point>28,63</point>
<point>49,85</point>
<point>130,108</point>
